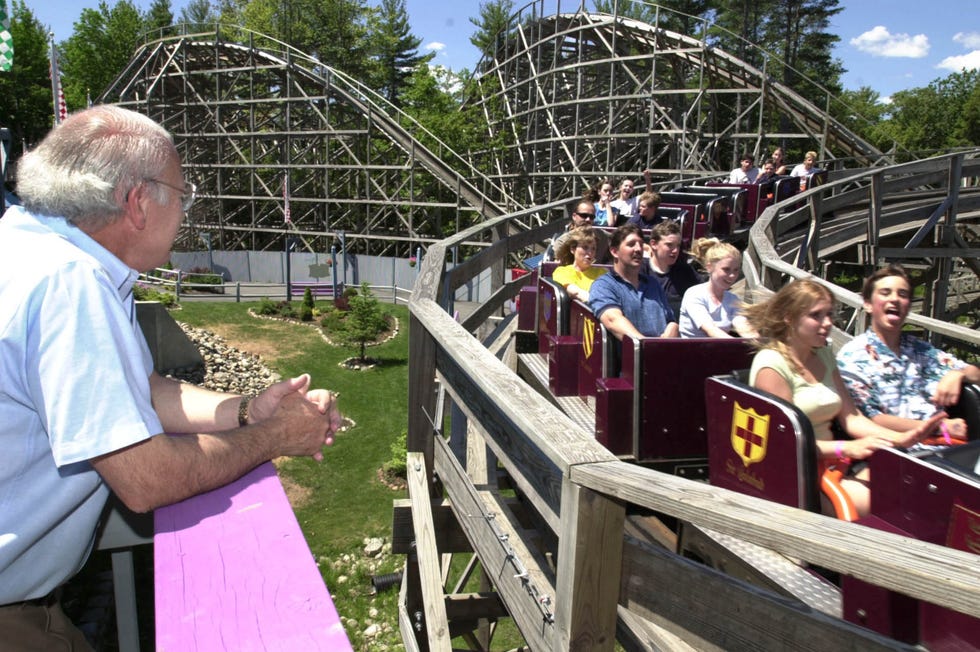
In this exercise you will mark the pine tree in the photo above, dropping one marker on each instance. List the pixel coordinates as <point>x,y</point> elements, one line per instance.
<point>365,321</point>
<point>394,50</point>
<point>198,15</point>
<point>492,25</point>
<point>160,19</point>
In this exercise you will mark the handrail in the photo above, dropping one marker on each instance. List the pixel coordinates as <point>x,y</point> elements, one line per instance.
<point>762,262</point>
<point>578,490</point>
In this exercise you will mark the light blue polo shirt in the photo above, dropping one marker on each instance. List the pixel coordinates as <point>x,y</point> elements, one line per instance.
<point>74,384</point>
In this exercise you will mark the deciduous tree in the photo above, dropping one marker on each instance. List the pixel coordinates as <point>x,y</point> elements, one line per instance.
<point>27,108</point>
<point>98,50</point>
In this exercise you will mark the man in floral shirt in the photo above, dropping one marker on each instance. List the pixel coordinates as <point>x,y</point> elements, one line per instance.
<point>898,380</point>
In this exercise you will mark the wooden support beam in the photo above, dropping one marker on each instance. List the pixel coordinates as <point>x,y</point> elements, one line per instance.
<point>470,606</point>
<point>490,527</point>
<point>887,560</point>
<point>449,536</point>
<point>436,622</point>
<point>706,617</point>
<point>589,565</point>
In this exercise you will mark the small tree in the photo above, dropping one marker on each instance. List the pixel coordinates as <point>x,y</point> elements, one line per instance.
<point>365,321</point>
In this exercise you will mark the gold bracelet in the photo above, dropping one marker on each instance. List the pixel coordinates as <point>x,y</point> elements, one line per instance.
<point>243,411</point>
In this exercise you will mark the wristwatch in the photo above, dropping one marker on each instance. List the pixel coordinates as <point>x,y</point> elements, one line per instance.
<point>243,411</point>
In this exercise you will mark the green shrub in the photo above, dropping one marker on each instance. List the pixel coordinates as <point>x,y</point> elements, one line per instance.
<point>285,309</point>
<point>267,307</point>
<point>146,293</point>
<point>308,301</point>
<point>332,320</point>
<point>396,466</point>
<point>305,311</point>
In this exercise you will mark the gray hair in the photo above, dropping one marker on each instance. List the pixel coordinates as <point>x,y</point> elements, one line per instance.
<point>85,167</point>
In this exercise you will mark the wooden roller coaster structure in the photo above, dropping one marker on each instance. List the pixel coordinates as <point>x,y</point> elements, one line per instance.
<point>573,543</point>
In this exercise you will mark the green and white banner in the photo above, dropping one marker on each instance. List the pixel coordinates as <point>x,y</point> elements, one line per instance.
<point>6,39</point>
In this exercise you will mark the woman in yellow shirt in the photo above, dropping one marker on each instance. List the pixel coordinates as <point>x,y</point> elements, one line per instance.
<point>576,255</point>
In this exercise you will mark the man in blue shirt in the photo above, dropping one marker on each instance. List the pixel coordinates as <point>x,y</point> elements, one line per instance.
<point>628,301</point>
<point>82,411</point>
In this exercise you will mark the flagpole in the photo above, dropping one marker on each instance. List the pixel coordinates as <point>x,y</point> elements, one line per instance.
<point>57,93</point>
<point>54,80</point>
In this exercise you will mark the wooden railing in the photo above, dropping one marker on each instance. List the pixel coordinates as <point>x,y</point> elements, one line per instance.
<point>562,558</point>
<point>946,176</point>
<point>232,569</point>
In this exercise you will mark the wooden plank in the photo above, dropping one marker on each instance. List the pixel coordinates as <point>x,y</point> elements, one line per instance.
<point>717,612</point>
<point>589,563</point>
<point>405,625</point>
<point>470,606</point>
<point>541,442</point>
<point>915,568</point>
<point>449,536</point>
<point>436,622</point>
<point>635,633</point>
<point>232,571</point>
<point>421,391</point>
<point>493,304</point>
<point>927,252</point>
<point>501,549</point>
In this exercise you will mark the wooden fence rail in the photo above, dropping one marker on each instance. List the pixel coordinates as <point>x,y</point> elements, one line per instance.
<point>560,556</point>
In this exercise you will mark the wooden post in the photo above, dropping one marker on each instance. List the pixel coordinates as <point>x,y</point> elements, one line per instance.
<point>421,390</point>
<point>434,604</point>
<point>874,221</point>
<point>590,552</point>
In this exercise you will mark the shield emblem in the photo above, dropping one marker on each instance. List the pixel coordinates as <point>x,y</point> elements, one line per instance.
<point>750,434</point>
<point>588,337</point>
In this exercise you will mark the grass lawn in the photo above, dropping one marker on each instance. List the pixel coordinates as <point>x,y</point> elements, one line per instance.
<point>340,501</point>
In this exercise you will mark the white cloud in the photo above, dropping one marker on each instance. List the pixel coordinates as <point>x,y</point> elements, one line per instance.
<point>969,40</point>
<point>879,42</point>
<point>886,100</point>
<point>969,61</point>
<point>435,46</point>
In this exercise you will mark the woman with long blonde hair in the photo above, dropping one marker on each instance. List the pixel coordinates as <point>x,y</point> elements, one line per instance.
<point>796,364</point>
<point>711,309</point>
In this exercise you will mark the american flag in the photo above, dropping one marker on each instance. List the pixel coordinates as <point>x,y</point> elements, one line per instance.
<point>60,108</point>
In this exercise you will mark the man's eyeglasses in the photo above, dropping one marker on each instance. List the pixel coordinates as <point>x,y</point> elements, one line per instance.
<point>586,216</point>
<point>187,194</point>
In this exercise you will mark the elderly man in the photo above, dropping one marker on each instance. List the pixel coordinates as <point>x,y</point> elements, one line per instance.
<point>628,301</point>
<point>81,410</point>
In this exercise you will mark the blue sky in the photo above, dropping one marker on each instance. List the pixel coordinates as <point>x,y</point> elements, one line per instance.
<point>889,45</point>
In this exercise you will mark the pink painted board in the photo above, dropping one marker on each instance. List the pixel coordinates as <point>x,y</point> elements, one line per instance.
<point>233,572</point>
